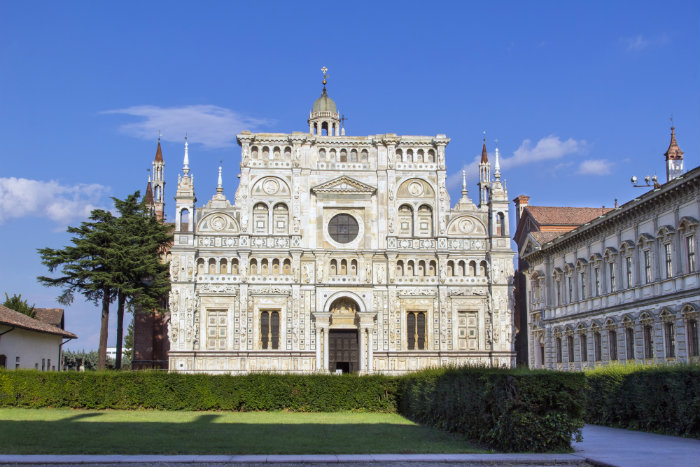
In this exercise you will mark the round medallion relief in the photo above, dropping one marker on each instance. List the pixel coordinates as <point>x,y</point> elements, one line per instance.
<point>466,225</point>
<point>270,187</point>
<point>218,223</point>
<point>415,188</point>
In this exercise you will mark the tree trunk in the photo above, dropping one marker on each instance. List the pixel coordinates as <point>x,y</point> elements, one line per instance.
<point>102,351</point>
<point>121,299</point>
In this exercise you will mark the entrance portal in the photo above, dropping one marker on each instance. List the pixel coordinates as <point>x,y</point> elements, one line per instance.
<point>343,350</point>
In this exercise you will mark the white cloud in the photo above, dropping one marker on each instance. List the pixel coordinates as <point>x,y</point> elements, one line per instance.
<point>595,167</point>
<point>639,42</point>
<point>547,148</point>
<point>210,125</point>
<point>22,197</point>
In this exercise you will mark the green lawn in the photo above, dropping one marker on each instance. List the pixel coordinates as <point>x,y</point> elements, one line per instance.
<point>66,431</point>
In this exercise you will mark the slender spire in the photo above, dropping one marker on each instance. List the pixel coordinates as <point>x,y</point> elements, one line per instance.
<point>186,161</point>
<point>148,196</point>
<point>159,153</point>
<point>484,156</point>
<point>497,165</point>
<point>220,183</point>
<point>465,192</point>
<point>673,151</point>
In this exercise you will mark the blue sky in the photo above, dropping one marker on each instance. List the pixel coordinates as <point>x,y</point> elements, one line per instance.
<point>578,94</point>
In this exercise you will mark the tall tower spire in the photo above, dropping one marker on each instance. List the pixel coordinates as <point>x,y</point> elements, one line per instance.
<point>497,165</point>
<point>186,160</point>
<point>674,157</point>
<point>220,184</point>
<point>484,175</point>
<point>159,182</point>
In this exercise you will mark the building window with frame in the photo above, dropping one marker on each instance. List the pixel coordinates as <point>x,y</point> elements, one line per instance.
<point>648,342</point>
<point>597,346</point>
<point>612,344</point>
<point>668,260</point>
<point>558,287</point>
<point>584,347</point>
<point>558,349</point>
<point>570,347</point>
<point>542,362</point>
<point>693,337</point>
<point>269,329</point>
<point>690,252</point>
<point>670,335</point>
<point>629,343</point>
<point>647,267</point>
<point>612,276</point>
<point>415,332</point>
<point>570,285</point>
<point>583,285</point>
<point>216,329</point>
<point>628,271</point>
<point>597,281</point>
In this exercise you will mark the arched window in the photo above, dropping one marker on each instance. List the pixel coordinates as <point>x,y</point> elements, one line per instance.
<point>287,152</point>
<point>570,347</point>
<point>185,220</point>
<point>472,268</point>
<point>353,155</point>
<point>500,224</point>
<point>200,266</point>
<point>483,269</point>
<point>266,152</point>
<point>343,155</point>
<point>333,155</point>
<point>264,267</point>
<point>254,152</point>
<point>409,268</point>
<point>223,266</point>
<point>322,154</point>
<point>419,155</point>
<point>253,267</point>
<point>558,349</point>
<point>421,268</point>
<point>406,221</point>
<point>157,193</point>
<point>461,268</point>
<point>276,152</point>
<point>353,267</point>
<point>364,155</point>
<point>432,268</point>
<point>275,267</point>
<point>334,267</point>
<point>399,155</point>
<point>425,220</point>
<point>287,267</point>
<point>212,266</point>
<point>409,155</point>
<point>260,218</point>
<point>324,129</point>
<point>450,268</point>
<point>431,156</point>
<point>399,268</point>
<point>343,267</point>
<point>281,218</point>
<point>234,266</point>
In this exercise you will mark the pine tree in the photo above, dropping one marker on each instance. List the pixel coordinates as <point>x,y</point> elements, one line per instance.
<point>16,303</point>
<point>85,269</point>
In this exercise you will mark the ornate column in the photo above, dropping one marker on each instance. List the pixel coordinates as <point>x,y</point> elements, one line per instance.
<point>366,326</point>
<point>322,326</point>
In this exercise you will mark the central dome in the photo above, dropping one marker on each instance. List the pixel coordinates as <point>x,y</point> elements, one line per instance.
<point>324,104</point>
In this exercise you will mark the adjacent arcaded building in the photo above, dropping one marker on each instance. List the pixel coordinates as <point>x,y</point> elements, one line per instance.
<point>619,285</point>
<point>340,253</point>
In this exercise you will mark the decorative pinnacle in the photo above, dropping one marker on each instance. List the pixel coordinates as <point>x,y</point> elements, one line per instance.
<point>220,184</point>
<point>465,192</point>
<point>497,166</point>
<point>186,161</point>
<point>324,70</point>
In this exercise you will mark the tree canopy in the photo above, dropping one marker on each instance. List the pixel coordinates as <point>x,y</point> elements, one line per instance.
<point>113,257</point>
<point>16,303</point>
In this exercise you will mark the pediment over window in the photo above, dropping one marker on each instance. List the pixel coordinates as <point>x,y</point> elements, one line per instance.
<point>218,223</point>
<point>344,185</point>
<point>467,225</point>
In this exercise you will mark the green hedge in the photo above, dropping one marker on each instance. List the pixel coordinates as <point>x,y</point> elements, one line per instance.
<point>662,399</point>
<point>508,410</point>
<point>175,391</point>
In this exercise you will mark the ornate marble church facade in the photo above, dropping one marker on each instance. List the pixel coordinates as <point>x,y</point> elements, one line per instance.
<point>340,253</point>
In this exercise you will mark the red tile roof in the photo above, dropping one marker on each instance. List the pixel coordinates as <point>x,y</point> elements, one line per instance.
<point>52,316</point>
<point>554,215</point>
<point>16,319</point>
<point>544,237</point>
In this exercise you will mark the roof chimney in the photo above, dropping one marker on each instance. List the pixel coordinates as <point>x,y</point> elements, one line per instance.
<point>520,205</point>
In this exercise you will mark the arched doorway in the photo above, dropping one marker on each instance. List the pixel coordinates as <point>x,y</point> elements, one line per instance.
<point>343,338</point>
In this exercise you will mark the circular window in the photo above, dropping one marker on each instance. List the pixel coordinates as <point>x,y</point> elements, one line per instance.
<point>343,228</point>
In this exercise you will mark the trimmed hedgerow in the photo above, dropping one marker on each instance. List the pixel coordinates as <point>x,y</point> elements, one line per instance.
<point>662,399</point>
<point>508,410</point>
<point>174,391</point>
